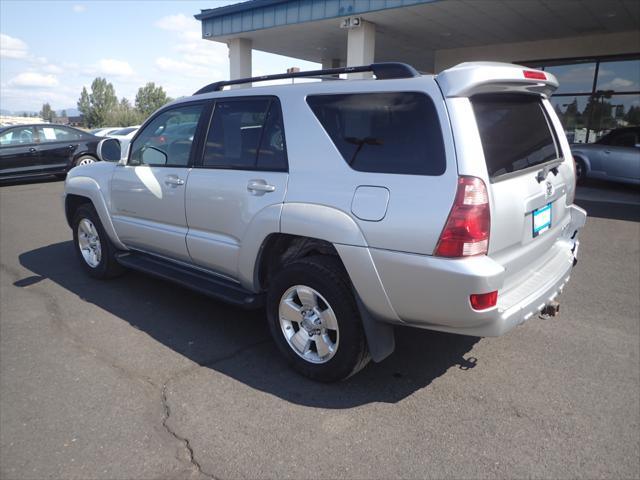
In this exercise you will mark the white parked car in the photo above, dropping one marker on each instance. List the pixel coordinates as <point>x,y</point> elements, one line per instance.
<point>104,132</point>
<point>124,135</point>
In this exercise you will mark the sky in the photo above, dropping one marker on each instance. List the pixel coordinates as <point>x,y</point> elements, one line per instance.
<point>50,49</point>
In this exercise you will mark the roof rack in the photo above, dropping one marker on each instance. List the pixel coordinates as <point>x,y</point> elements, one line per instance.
<point>382,71</point>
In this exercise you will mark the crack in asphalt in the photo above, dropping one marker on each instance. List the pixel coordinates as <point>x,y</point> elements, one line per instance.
<point>183,374</point>
<point>185,441</point>
<point>57,318</point>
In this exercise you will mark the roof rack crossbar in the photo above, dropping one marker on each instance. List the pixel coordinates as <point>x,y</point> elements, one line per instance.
<point>382,71</point>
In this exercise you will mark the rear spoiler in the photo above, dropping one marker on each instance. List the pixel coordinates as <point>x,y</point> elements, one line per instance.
<point>470,78</point>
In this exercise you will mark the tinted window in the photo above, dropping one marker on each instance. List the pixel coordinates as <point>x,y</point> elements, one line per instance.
<point>57,134</point>
<point>514,131</point>
<point>624,139</point>
<point>384,132</point>
<point>17,136</point>
<point>167,139</point>
<point>246,134</point>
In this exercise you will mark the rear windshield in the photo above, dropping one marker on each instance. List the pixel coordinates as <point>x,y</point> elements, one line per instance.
<point>514,130</point>
<point>395,132</point>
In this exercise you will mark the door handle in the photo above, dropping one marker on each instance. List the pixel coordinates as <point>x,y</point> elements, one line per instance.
<point>260,187</point>
<point>32,150</point>
<point>174,181</point>
<point>71,147</point>
<point>607,151</point>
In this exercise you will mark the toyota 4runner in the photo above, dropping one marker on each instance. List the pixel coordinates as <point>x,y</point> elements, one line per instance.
<point>442,202</point>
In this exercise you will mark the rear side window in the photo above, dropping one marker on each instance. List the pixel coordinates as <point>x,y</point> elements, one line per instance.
<point>246,134</point>
<point>515,132</point>
<point>384,132</point>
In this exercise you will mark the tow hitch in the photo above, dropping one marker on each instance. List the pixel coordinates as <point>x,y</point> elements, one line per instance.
<point>550,310</point>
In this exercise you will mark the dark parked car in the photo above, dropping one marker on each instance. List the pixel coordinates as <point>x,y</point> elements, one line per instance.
<point>39,150</point>
<point>615,157</point>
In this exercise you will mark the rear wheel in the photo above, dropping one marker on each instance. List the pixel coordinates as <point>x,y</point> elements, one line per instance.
<point>92,245</point>
<point>314,319</point>
<point>84,160</point>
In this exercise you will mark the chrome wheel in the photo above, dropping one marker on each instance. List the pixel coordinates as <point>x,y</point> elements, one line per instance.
<point>89,242</point>
<point>309,324</point>
<point>86,161</point>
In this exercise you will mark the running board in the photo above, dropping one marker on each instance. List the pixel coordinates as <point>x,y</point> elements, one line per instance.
<point>210,285</point>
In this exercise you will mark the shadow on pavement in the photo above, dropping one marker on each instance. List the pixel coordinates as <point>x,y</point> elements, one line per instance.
<point>203,330</point>
<point>613,211</point>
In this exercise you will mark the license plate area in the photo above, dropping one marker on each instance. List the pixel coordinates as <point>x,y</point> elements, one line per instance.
<point>541,219</point>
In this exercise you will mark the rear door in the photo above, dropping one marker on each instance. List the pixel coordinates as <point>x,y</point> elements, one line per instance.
<point>239,180</point>
<point>57,146</point>
<point>529,176</point>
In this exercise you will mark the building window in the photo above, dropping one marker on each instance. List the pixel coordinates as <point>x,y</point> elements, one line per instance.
<point>595,96</point>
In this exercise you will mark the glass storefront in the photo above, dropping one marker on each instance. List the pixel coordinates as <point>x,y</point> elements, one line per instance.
<point>595,95</point>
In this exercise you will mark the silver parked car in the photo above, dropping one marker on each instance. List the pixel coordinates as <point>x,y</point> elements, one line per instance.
<point>615,157</point>
<point>442,202</point>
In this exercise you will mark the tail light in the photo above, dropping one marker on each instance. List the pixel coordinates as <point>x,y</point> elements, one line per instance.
<point>466,232</point>
<point>571,196</point>
<point>534,75</point>
<point>482,301</point>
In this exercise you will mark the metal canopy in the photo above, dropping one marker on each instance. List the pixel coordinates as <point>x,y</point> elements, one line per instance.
<point>411,30</point>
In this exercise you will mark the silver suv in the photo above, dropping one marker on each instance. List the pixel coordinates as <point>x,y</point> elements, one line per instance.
<point>442,202</point>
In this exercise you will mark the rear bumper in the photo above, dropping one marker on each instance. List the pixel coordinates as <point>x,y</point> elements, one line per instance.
<point>433,293</point>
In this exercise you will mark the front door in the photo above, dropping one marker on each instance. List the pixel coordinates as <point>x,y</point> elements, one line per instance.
<point>18,152</point>
<point>239,181</point>
<point>148,192</point>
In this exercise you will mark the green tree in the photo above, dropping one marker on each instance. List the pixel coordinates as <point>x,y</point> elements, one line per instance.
<point>97,105</point>
<point>124,115</point>
<point>46,113</point>
<point>150,98</point>
<point>633,116</point>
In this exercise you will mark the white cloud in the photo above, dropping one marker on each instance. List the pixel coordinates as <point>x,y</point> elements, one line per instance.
<point>79,8</point>
<point>11,47</point>
<point>34,79</point>
<point>111,67</point>
<point>178,23</point>
<point>617,84</point>
<point>187,69</point>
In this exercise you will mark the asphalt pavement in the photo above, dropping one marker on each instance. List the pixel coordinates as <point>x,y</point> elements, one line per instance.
<point>136,378</point>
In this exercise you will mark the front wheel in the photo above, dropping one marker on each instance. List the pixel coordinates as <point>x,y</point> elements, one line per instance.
<point>314,319</point>
<point>92,245</point>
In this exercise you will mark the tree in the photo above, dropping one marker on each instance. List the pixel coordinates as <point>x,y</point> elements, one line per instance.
<point>124,115</point>
<point>97,105</point>
<point>46,113</point>
<point>150,98</point>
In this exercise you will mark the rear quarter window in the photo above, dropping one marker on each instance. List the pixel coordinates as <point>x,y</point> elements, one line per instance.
<point>396,132</point>
<point>515,132</point>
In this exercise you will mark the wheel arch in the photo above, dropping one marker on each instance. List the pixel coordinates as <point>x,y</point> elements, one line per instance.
<point>82,190</point>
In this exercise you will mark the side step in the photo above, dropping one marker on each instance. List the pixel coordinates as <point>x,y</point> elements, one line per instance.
<point>210,285</point>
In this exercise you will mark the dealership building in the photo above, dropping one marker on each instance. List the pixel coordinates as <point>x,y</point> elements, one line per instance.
<point>592,46</point>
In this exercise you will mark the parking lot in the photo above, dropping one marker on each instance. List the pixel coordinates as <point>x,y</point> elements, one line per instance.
<point>138,378</point>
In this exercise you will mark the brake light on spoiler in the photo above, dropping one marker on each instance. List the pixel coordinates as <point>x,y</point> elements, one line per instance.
<point>534,75</point>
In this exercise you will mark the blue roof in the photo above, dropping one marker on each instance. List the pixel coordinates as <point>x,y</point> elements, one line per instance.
<point>262,14</point>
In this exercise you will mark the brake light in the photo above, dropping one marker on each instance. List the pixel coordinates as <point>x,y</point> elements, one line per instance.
<point>482,301</point>
<point>534,75</point>
<point>466,232</point>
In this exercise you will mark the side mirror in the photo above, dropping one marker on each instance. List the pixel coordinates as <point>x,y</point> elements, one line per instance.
<point>108,150</point>
<point>154,156</point>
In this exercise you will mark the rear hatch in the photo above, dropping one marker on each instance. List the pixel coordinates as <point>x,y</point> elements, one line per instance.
<point>510,129</point>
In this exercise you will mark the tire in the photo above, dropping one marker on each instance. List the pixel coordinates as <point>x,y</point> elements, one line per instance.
<point>321,336</point>
<point>581,171</point>
<point>92,245</point>
<point>84,160</point>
